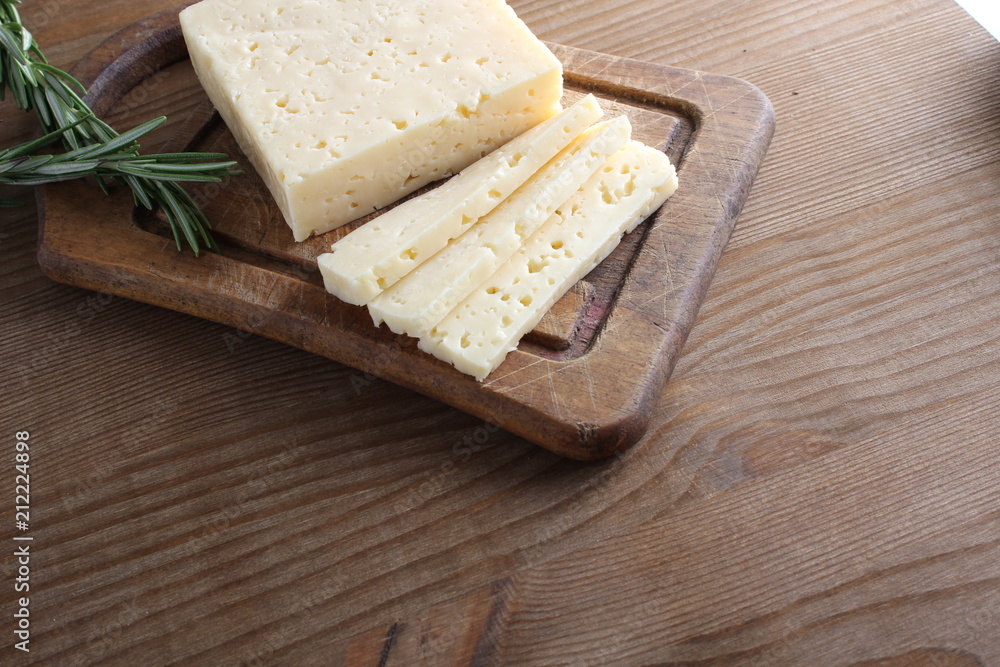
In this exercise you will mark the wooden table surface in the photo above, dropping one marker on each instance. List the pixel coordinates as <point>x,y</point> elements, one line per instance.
<point>820,484</point>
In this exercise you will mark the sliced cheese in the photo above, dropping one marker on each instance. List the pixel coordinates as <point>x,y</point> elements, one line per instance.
<point>425,295</point>
<point>477,335</point>
<point>346,106</point>
<point>373,257</point>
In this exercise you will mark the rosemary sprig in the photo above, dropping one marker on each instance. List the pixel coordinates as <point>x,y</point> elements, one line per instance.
<point>94,148</point>
<point>115,159</point>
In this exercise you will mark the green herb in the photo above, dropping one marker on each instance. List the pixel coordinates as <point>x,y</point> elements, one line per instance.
<point>94,148</point>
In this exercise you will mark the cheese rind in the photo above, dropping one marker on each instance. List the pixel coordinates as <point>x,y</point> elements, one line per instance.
<point>478,334</point>
<point>346,106</point>
<point>375,256</point>
<point>424,296</point>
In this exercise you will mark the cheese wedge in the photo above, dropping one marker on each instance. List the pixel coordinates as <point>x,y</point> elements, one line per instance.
<point>477,335</point>
<point>375,256</point>
<point>346,106</point>
<point>425,295</point>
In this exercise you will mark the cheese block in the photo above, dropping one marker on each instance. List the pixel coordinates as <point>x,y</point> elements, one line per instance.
<point>346,106</point>
<point>376,255</point>
<point>424,296</point>
<point>477,335</point>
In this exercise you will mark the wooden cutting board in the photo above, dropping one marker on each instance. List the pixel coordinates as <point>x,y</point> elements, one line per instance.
<point>582,384</point>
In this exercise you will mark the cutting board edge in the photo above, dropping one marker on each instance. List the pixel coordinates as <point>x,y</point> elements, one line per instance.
<point>583,436</point>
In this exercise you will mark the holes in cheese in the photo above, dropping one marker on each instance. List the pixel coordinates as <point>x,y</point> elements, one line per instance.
<point>478,333</point>
<point>367,261</point>
<point>423,297</point>
<point>401,93</point>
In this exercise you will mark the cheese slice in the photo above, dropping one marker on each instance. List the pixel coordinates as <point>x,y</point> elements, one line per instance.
<point>425,295</point>
<point>346,106</point>
<point>375,256</point>
<point>477,335</point>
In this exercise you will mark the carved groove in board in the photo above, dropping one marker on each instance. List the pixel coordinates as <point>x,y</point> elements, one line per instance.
<point>249,223</point>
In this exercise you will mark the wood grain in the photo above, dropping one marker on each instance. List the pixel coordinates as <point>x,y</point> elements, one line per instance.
<point>587,399</point>
<point>818,485</point>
